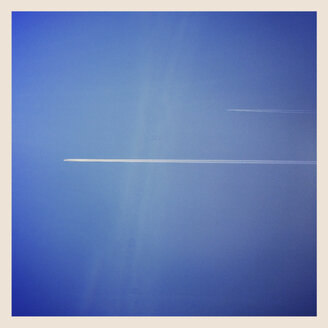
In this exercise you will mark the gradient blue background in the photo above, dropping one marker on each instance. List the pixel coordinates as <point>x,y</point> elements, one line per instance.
<point>163,239</point>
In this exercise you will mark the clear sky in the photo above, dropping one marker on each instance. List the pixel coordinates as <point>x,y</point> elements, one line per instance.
<point>163,239</point>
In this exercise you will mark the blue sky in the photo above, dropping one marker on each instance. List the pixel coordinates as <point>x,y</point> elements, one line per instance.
<point>163,239</point>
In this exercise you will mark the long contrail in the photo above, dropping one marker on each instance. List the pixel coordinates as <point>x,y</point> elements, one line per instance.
<point>283,111</point>
<point>189,161</point>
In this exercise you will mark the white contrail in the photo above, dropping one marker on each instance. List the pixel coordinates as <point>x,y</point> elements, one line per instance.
<point>190,161</point>
<point>284,111</point>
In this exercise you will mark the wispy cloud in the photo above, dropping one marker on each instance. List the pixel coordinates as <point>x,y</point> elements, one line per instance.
<point>190,161</point>
<point>283,111</point>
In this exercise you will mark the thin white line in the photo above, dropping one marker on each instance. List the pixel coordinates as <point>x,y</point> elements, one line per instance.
<point>189,161</point>
<point>284,111</point>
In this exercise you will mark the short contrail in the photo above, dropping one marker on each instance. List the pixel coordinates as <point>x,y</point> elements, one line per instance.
<point>283,111</point>
<point>190,161</point>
